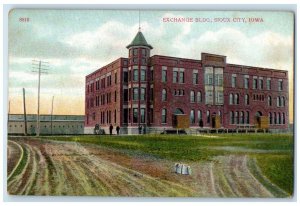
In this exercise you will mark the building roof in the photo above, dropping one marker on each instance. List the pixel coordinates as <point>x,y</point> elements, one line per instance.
<point>139,40</point>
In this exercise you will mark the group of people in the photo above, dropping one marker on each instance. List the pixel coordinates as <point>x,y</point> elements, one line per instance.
<point>111,129</point>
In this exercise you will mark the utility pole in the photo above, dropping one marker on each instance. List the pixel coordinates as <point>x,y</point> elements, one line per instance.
<point>25,120</point>
<point>52,113</point>
<point>38,69</point>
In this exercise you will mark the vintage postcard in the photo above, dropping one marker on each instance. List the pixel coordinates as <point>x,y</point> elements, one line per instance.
<point>151,103</point>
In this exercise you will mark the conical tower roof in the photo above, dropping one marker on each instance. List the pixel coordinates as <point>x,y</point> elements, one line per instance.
<point>139,40</point>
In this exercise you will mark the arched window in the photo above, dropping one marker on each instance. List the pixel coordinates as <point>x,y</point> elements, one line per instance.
<point>236,117</point>
<point>230,99</point>
<point>164,116</point>
<point>279,118</point>
<point>269,101</point>
<point>236,99</point>
<point>192,116</point>
<point>246,99</point>
<point>242,118</point>
<point>283,118</point>
<point>199,97</point>
<point>199,115</point>
<point>192,97</point>
<point>278,102</point>
<point>282,101</point>
<point>164,95</point>
<point>208,116</point>
<point>247,118</point>
<point>275,118</point>
<point>231,117</point>
<point>270,117</point>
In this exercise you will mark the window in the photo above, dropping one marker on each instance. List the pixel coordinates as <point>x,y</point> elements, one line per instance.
<point>192,116</point>
<point>192,97</point>
<point>278,102</point>
<point>144,52</point>
<point>175,76</point>
<point>283,118</point>
<point>247,118</point>
<point>143,75</point>
<point>115,116</point>
<point>233,80</point>
<point>231,99</point>
<point>208,116</point>
<point>125,76</point>
<point>143,93</point>
<point>219,97</point>
<point>164,95</point>
<point>209,97</point>
<point>116,78</point>
<point>115,96</point>
<point>195,77</point>
<point>181,77</point>
<point>199,115</point>
<point>246,99</point>
<point>269,101</point>
<point>254,82</point>
<point>152,74</point>
<point>279,118</point>
<point>143,115</point>
<point>282,101</point>
<point>209,79</point>
<point>164,74</point>
<point>270,117</point>
<point>236,117</point>
<point>135,52</point>
<point>268,83</point>
<point>135,115</point>
<point>242,118</point>
<point>151,94</point>
<point>280,85</point>
<point>246,82</point>
<point>135,93</point>
<point>231,117</point>
<point>199,97</point>
<point>261,83</point>
<point>151,115</point>
<point>219,79</point>
<point>275,118</point>
<point>135,75</point>
<point>125,116</point>
<point>236,99</point>
<point>164,116</point>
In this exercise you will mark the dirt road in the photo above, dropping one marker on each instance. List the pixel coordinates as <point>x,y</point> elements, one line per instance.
<point>70,168</point>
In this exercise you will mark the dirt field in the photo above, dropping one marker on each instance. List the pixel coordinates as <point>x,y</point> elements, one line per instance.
<point>69,168</point>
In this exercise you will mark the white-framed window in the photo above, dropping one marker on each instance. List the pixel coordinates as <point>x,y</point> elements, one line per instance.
<point>192,96</point>
<point>261,83</point>
<point>192,116</point>
<point>143,75</point>
<point>142,115</point>
<point>164,74</point>
<point>143,94</point>
<point>135,93</point>
<point>247,99</point>
<point>164,95</point>
<point>199,97</point>
<point>268,83</point>
<point>219,97</point>
<point>233,80</point>
<point>280,85</point>
<point>236,99</point>
<point>164,116</point>
<point>195,77</point>
<point>246,81</point>
<point>135,75</point>
<point>230,99</point>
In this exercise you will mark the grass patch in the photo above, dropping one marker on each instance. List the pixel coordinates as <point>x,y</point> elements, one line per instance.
<point>21,165</point>
<point>279,169</point>
<point>187,147</point>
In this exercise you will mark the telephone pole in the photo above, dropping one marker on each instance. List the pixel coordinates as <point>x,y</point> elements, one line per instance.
<point>52,112</point>
<point>25,120</point>
<point>38,68</point>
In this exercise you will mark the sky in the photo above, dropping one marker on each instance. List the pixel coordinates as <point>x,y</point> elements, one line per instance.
<point>77,42</point>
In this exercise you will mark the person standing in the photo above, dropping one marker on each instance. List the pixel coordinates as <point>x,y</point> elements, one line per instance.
<point>118,130</point>
<point>111,129</point>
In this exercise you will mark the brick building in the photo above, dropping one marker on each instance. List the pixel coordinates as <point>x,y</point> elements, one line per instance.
<point>144,90</point>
